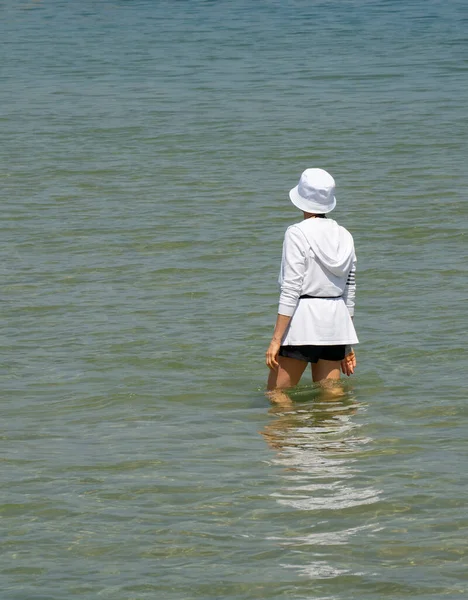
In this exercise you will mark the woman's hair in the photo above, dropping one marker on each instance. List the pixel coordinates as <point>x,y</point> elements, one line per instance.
<point>320,216</point>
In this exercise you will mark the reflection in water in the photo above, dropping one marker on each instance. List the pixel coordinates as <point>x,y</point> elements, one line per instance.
<point>328,390</point>
<point>318,445</point>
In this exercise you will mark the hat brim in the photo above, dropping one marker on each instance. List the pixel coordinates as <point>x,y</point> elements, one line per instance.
<point>308,206</point>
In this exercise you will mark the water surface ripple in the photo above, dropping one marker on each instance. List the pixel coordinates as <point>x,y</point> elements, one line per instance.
<point>147,151</point>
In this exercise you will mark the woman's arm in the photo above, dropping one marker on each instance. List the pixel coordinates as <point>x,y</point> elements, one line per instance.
<point>282,322</point>
<point>291,278</point>
<point>348,364</point>
<point>349,294</point>
<point>293,267</point>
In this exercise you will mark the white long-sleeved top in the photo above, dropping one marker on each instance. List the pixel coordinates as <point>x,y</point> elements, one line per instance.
<point>318,260</point>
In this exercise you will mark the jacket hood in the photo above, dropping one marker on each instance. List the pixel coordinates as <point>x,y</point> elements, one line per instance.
<point>332,244</point>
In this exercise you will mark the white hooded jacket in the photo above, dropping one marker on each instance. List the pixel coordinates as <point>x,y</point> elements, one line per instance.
<point>318,260</point>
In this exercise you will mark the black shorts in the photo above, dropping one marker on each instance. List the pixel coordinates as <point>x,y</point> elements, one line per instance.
<point>313,354</point>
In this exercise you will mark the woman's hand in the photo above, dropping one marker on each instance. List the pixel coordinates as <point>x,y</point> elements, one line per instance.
<point>348,364</point>
<point>282,323</point>
<point>272,354</point>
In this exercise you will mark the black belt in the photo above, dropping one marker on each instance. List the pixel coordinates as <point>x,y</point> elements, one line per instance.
<point>325,297</point>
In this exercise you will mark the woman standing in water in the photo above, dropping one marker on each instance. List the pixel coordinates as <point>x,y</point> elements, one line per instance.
<point>317,279</point>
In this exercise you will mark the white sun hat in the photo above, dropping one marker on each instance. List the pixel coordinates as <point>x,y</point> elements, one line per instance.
<point>315,192</point>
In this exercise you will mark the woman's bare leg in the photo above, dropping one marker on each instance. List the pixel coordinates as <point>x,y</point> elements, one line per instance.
<point>327,374</point>
<point>287,375</point>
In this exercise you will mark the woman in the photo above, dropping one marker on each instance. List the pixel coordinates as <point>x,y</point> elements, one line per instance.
<point>317,279</point>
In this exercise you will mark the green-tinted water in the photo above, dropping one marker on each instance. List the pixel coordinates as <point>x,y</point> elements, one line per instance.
<point>147,151</point>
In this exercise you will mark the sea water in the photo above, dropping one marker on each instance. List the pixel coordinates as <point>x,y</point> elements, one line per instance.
<point>147,150</point>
